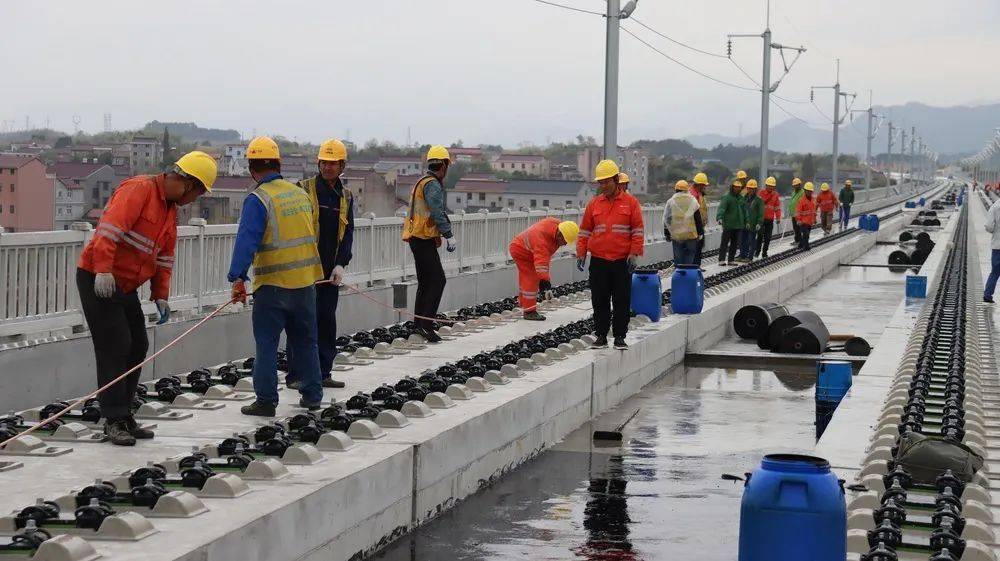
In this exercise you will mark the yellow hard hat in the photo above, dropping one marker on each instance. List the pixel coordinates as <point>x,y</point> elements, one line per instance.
<point>201,166</point>
<point>623,178</point>
<point>605,169</point>
<point>263,148</point>
<point>438,153</point>
<point>796,181</point>
<point>737,183</point>
<point>771,182</point>
<point>752,184</point>
<point>569,231</point>
<point>741,174</point>
<point>700,179</point>
<point>824,187</point>
<point>332,150</point>
<point>682,185</point>
<point>848,183</point>
<point>808,186</point>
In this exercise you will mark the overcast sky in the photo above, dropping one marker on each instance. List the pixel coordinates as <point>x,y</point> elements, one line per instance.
<point>500,71</point>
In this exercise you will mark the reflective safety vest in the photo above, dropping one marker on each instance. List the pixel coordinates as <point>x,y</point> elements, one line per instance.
<point>287,256</point>
<point>309,185</point>
<point>418,222</point>
<point>682,209</point>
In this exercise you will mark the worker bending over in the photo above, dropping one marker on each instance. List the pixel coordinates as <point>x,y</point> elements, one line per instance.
<point>772,213</point>
<point>805,215</point>
<point>426,223</point>
<point>133,243</point>
<point>827,203</point>
<point>793,203</point>
<point>682,224</point>
<point>612,232</point>
<point>846,198</point>
<point>277,234</point>
<point>731,216</point>
<point>532,251</point>
<point>698,191</point>
<point>753,216</point>
<point>333,219</point>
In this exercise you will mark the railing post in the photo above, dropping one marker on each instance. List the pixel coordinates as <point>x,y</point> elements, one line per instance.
<point>406,246</point>
<point>199,263</point>
<point>88,232</point>
<point>461,246</point>
<point>485,234</point>
<point>510,235</point>
<point>371,248</point>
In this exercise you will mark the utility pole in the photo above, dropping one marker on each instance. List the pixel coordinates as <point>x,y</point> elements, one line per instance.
<point>902,153</point>
<point>868,140</point>
<point>614,16</point>
<point>837,120</point>
<point>913,138</point>
<point>888,175</point>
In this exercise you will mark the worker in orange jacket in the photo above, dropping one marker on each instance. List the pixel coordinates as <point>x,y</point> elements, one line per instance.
<point>133,243</point>
<point>612,232</point>
<point>532,251</point>
<point>805,215</point>
<point>827,203</point>
<point>772,214</point>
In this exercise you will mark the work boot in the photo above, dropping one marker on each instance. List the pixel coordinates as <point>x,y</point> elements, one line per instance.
<point>331,383</point>
<point>533,316</point>
<point>293,385</point>
<point>136,431</point>
<point>600,343</point>
<point>312,406</point>
<point>258,409</point>
<point>118,433</point>
<point>723,263</point>
<point>429,334</point>
<point>987,299</point>
<point>620,343</point>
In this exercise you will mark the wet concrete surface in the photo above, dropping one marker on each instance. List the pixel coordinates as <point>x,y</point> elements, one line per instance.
<point>659,495</point>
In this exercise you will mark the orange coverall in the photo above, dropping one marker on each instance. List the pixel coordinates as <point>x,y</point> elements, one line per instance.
<point>532,251</point>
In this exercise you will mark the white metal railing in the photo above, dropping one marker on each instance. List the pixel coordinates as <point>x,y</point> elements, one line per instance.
<point>38,269</point>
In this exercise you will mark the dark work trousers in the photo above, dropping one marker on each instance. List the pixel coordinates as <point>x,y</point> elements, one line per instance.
<point>798,232</point>
<point>764,238</point>
<point>697,253</point>
<point>610,288</point>
<point>729,244</point>
<point>430,280</point>
<point>804,232</point>
<point>118,330</point>
<point>327,296</point>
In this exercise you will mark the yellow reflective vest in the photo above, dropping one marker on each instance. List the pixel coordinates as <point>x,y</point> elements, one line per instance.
<point>680,214</point>
<point>287,256</point>
<point>418,223</point>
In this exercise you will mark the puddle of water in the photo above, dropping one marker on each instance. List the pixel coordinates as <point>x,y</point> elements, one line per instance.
<point>659,496</point>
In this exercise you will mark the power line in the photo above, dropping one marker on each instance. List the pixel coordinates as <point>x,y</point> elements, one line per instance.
<point>756,83</point>
<point>681,43</point>
<point>793,115</point>
<point>573,8</point>
<point>820,111</point>
<point>696,71</point>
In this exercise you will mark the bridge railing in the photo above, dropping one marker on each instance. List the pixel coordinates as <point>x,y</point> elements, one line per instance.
<point>38,269</point>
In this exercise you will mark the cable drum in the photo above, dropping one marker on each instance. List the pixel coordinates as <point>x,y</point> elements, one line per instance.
<point>805,339</point>
<point>903,256</point>
<point>781,326</point>
<point>752,321</point>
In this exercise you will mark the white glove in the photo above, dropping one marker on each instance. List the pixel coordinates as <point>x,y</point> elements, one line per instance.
<point>104,285</point>
<point>164,309</point>
<point>451,244</point>
<point>337,275</point>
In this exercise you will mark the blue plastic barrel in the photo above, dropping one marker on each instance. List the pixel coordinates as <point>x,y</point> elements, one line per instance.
<point>910,204</point>
<point>864,222</point>
<point>873,222</point>
<point>687,290</point>
<point>646,298</point>
<point>916,286</point>
<point>793,510</point>
<point>833,379</point>
<point>923,201</point>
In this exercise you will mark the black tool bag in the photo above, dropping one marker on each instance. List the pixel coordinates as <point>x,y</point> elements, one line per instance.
<point>926,457</point>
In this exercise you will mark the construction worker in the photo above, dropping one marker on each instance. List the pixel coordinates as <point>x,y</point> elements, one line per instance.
<point>333,219</point>
<point>426,223</point>
<point>992,225</point>
<point>805,215</point>
<point>846,198</point>
<point>731,216</point>
<point>753,216</point>
<point>772,214</point>
<point>532,251</point>
<point>277,234</point>
<point>623,181</point>
<point>133,243</point>
<point>682,224</point>
<point>699,189</point>
<point>827,203</point>
<point>612,232</point>
<point>793,202</point>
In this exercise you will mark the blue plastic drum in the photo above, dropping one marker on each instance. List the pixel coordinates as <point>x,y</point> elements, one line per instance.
<point>646,296</point>
<point>687,290</point>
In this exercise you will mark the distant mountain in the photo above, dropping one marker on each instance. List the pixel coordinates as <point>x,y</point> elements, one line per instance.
<point>948,130</point>
<point>192,132</point>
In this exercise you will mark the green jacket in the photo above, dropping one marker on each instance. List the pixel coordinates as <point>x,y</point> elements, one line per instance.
<point>753,209</point>
<point>846,196</point>
<point>793,202</point>
<point>730,214</point>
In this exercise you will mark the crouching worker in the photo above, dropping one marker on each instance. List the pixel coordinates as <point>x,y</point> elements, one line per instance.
<point>133,243</point>
<point>532,251</point>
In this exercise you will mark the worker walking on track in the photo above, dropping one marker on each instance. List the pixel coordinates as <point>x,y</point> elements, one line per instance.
<point>827,203</point>
<point>753,211</point>
<point>793,202</point>
<point>682,225</point>
<point>426,223</point>
<point>730,215</point>
<point>532,251</point>
<point>277,235</point>
<point>700,186</point>
<point>333,217</point>
<point>133,243</point>
<point>805,215</point>
<point>612,232</point>
<point>846,198</point>
<point>772,213</point>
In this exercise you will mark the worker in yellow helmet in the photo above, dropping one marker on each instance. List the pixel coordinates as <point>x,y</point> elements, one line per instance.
<point>623,181</point>
<point>698,190</point>
<point>425,225</point>
<point>277,235</point>
<point>827,203</point>
<point>532,251</point>
<point>682,225</point>
<point>333,218</point>
<point>793,201</point>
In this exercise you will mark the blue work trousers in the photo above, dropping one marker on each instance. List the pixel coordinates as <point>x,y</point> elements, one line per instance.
<point>747,242</point>
<point>685,252</point>
<point>991,283</point>
<point>845,214</point>
<point>293,311</point>
<point>327,296</point>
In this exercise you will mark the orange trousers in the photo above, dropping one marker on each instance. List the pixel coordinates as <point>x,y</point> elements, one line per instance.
<point>527,277</point>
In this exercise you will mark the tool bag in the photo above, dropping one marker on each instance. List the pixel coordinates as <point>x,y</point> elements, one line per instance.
<point>926,457</point>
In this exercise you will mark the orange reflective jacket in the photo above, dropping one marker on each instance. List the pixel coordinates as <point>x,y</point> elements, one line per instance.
<point>772,204</point>
<point>135,238</point>
<point>827,201</point>
<point>611,228</point>
<point>538,243</point>
<point>805,211</point>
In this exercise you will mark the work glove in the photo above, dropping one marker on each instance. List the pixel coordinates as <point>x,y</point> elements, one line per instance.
<point>580,263</point>
<point>164,309</point>
<point>545,288</point>
<point>633,262</point>
<point>451,244</point>
<point>104,285</point>
<point>239,293</point>
<point>337,275</point>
